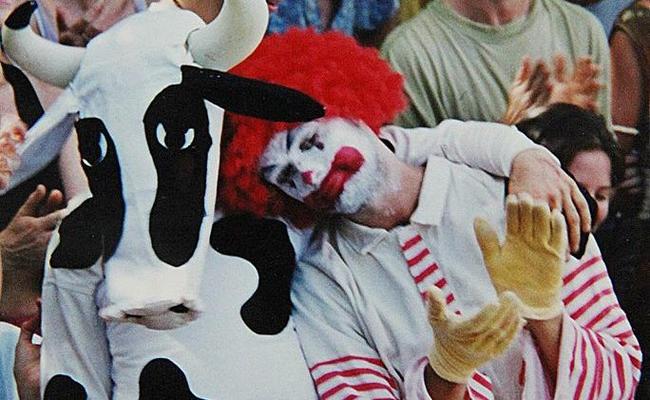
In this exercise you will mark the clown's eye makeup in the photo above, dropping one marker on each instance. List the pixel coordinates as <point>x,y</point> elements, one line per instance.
<point>313,141</point>
<point>285,177</point>
<point>265,172</point>
<point>97,154</point>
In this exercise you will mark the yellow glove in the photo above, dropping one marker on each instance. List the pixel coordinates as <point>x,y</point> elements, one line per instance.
<point>530,261</point>
<point>463,344</point>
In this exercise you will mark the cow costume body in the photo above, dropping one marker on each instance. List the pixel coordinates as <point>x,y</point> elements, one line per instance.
<point>134,246</point>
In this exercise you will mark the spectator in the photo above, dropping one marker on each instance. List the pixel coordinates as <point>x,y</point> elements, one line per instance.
<point>627,231</point>
<point>367,20</point>
<point>459,56</point>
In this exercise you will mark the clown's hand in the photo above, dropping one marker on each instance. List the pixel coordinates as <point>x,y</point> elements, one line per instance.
<point>530,261</point>
<point>12,133</point>
<point>463,344</point>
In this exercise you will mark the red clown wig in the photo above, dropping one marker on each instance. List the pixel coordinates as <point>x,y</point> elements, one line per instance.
<point>349,80</point>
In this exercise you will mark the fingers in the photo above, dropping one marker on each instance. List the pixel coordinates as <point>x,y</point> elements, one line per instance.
<point>31,205</point>
<point>54,202</point>
<point>525,70</point>
<point>541,221</point>
<point>509,326</point>
<point>526,215</point>
<point>559,68</point>
<point>50,221</point>
<point>581,206</point>
<point>512,215</point>
<point>558,232</point>
<point>573,217</point>
<point>487,238</point>
<point>437,307</point>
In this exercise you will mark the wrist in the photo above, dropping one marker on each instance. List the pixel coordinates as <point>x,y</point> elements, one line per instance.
<point>548,328</point>
<point>439,388</point>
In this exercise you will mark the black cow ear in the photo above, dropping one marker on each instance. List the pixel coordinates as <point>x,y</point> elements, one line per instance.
<point>28,105</point>
<point>64,387</point>
<point>251,97</point>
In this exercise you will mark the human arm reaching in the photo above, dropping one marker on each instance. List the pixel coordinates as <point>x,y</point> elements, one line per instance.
<point>585,341</point>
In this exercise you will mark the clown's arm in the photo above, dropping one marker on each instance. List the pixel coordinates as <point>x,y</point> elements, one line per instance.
<point>500,150</point>
<point>341,361</point>
<point>583,339</point>
<point>599,356</point>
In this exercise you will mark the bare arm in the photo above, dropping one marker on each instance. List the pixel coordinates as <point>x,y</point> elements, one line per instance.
<point>626,86</point>
<point>439,388</point>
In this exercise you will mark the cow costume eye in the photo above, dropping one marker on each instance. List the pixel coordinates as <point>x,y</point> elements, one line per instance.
<point>175,142</point>
<point>98,153</point>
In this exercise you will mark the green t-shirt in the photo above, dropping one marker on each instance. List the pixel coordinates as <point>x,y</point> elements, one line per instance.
<point>457,68</point>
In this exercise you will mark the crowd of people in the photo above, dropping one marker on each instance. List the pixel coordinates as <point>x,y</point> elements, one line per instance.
<point>404,199</point>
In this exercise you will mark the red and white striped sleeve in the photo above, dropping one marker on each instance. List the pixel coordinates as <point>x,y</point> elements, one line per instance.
<point>342,363</point>
<point>600,357</point>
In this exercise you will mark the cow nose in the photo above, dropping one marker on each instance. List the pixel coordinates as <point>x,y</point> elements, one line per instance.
<point>307,177</point>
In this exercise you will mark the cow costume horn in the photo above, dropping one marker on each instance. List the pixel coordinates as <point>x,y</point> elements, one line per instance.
<point>232,36</point>
<point>25,48</point>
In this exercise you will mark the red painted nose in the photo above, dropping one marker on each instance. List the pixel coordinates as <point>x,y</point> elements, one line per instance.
<point>307,177</point>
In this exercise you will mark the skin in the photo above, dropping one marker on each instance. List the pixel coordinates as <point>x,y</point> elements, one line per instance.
<point>592,169</point>
<point>389,202</point>
<point>491,12</point>
<point>626,90</point>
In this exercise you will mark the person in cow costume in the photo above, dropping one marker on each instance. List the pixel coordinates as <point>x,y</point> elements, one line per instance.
<point>146,98</point>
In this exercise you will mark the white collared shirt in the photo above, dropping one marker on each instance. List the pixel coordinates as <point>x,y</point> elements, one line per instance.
<point>362,322</point>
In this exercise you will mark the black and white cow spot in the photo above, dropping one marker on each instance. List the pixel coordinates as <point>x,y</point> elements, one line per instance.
<point>177,132</point>
<point>95,227</point>
<point>62,387</point>
<point>265,244</point>
<point>161,379</point>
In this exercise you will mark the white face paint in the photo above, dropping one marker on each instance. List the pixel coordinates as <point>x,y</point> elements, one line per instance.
<point>329,164</point>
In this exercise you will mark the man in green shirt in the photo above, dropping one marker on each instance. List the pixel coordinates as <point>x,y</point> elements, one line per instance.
<point>459,57</point>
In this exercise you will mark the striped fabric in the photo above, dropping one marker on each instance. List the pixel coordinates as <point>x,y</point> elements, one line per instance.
<point>425,273</point>
<point>606,362</point>
<point>353,377</point>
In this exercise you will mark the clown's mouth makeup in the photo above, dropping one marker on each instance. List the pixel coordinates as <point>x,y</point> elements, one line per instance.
<point>346,163</point>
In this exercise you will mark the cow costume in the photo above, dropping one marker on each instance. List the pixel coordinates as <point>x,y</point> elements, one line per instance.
<point>134,246</point>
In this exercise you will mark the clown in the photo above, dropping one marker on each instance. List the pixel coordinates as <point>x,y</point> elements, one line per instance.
<point>394,298</point>
<point>147,113</point>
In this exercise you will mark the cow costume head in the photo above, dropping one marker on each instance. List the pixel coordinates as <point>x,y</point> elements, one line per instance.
<point>148,114</point>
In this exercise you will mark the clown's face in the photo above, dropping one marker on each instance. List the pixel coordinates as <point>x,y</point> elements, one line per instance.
<point>328,164</point>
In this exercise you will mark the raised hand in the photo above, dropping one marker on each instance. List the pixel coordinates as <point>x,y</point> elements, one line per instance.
<point>528,96</point>
<point>463,344</point>
<point>581,88</point>
<point>24,241</point>
<point>530,261</point>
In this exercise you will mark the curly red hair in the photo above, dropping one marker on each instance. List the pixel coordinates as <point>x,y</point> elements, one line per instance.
<point>351,81</point>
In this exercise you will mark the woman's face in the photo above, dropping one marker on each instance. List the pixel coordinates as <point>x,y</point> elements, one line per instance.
<point>592,169</point>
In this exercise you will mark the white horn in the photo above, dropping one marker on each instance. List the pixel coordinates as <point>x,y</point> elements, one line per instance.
<point>232,36</point>
<point>50,62</point>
